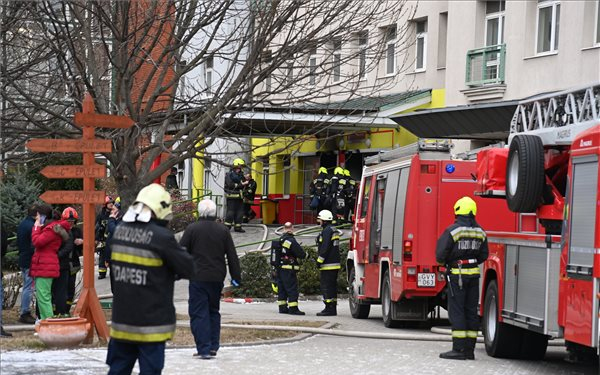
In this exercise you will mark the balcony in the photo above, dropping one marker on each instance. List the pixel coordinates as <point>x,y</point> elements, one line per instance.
<point>485,66</point>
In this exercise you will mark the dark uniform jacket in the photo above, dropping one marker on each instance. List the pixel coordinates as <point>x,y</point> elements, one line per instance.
<point>146,259</point>
<point>328,243</point>
<point>319,185</point>
<point>463,240</point>
<point>249,192</point>
<point>24,242</point>
<point>233,184</point>
<point>291,252</point>
<point>101,224</point>
<point>210,242</point>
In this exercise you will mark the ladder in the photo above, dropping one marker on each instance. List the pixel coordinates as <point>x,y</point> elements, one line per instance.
<point>557,118</point>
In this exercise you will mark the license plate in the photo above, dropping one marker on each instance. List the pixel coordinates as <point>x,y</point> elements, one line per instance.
<point>426,279</point>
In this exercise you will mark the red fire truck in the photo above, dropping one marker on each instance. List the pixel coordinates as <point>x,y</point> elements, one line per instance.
<point>405,201</point>
<point>543,282</point>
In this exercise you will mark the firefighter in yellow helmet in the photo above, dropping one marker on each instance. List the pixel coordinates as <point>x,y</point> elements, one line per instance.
<point>145,261</point>
<point>349,196</point>
<point>461,248</point>
<point>234,188</point>
<point>328,247</point>
<point>338,195</point>
<point>318,190</point>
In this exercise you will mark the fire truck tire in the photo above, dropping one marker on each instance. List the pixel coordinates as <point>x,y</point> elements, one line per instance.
<point>525,177</point>
<point>357,309</point>
<point>501,340</point>
<point>386,303</point>
<point>534,345</point>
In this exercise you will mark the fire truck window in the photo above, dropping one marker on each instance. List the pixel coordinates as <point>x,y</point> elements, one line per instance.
<point>365,199</point>
<point>380,200</point>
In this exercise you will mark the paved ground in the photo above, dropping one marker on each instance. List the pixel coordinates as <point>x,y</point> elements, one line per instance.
<point>320,354</point>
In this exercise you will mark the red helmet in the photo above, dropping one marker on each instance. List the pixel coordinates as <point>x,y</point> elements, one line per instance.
<point>69,213</point>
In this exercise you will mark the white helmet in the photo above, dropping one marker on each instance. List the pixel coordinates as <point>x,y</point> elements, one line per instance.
<point>207,208</point>
<point>325,215</point>
<point>153,198</point>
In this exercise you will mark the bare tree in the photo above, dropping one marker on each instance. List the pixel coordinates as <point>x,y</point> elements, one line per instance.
<point>144,59</point>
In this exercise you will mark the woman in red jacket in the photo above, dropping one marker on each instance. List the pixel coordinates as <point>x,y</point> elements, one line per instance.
<point>46,236</point>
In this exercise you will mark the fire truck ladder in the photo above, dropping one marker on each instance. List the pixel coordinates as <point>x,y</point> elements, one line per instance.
<point>557,118</point>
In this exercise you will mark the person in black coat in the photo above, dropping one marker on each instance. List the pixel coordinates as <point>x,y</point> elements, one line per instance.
<point>25,254</point>
<point>287,270</point>
<point>210,244</point>
<point>60,285</point>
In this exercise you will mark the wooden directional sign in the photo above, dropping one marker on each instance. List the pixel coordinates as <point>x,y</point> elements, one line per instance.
<point>74,171</point>
<point>70,145</point>
<point>73,196</point>
<point>98,120</point>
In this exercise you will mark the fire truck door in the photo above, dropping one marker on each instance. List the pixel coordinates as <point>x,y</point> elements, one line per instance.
<point>376,221</point>
<point>582,312</point>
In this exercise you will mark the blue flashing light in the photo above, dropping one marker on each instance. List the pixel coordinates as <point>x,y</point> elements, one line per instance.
<point>450,168</point>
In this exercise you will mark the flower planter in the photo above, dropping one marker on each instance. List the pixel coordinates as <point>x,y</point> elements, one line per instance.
<point>63,332</point>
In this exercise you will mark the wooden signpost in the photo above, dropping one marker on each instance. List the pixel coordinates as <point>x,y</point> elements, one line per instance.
<point>88,305</point>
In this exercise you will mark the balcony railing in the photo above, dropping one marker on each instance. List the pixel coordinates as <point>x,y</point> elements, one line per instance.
<point>485,66</point>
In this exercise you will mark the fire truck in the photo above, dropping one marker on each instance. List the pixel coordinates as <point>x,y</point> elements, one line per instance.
<point>543,281</point>
<point>405,201</point>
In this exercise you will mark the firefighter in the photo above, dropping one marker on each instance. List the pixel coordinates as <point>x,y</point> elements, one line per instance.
<point>329,262</point>
<point>287,269</point>
<point>146,260</point>
<point>350,196</point>
<point>337,194</point>
<point>248,194</point>
<point>235,183</point>
<point>461,248</point>
<point>318,190</point>
<point>101,234</point>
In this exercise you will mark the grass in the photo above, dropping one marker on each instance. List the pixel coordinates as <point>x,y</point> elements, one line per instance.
<point>25,340</point>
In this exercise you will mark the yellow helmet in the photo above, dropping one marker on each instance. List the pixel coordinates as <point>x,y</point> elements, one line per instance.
<point>322,170</point>
<point>338,170</point>
<point>465,206</point>
<point>346,172</point>
<point>325,215</point>
<point>238,162</point>
<point>157,199</point>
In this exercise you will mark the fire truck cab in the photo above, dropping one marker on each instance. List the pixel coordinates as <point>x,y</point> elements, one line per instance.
<point>405,202</point>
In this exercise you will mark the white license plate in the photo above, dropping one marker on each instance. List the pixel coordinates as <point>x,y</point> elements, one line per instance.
<point>426,279</point>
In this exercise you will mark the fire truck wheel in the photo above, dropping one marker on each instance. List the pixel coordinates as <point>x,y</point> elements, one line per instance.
<point>386,303</point>
<point>357,309</point>
<point>501,340</point>
<point>525,177</point>
<point>534,345</point>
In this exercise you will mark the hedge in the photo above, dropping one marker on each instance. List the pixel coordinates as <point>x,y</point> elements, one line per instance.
<point>256,275</point>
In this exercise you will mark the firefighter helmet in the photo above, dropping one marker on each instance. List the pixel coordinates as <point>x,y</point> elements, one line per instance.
<point>238,162</point>
<point>465,206</point>
<point>118,202</point>
<point>338,170</point>
<point>69,213</point>
<point>325,215</point>
<point>157,199</point>
<point>346,173</point>
<point>323,170</point>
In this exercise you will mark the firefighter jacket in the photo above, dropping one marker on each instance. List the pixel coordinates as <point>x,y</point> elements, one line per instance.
<point>102,225</point>
<point>291,252</point>
<point>233,184</point>
<point>146,260</point>
<point>462,241</point>
<point>350,188</point>
<point>319,185</point>
<point>249,192</point>
<point>328,244</point>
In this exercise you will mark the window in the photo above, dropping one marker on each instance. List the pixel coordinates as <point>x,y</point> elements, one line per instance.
<point>442,40</point>
<point>289,76</point>
<point>265,176</point>
<point>598,22</point>
<point>207,174</point>
<point>390,50</point>
<point>548,25</point>
<point>208,74</point>
<point>421,43</point>
<point>363,41</point>
<point>337,59</point>
<point>312,66</point>
<point>286,175</point>
<point>494,23</point>
<point>266,64</point>
<point>364,205</point>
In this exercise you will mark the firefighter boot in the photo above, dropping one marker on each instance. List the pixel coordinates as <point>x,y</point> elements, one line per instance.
<point>329,310</point>
<point>458,350</point>
<point>470,348</point>
<point>283,309</point>
<point>295,311</point>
